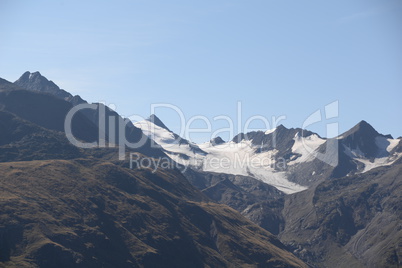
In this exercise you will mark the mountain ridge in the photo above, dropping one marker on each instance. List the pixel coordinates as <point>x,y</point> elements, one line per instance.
<point>154,119</point>
<point>36,82</point>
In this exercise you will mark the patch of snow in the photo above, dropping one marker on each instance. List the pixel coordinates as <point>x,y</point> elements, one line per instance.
<point>181,153</point>
<point>270,131</point>
<point>385,147</point>
<point>378,162</point>
<point>229,158</point>
<point>278,180</point>
<point>385,144</point>
<point>241,159</point>
<point>306,147</point>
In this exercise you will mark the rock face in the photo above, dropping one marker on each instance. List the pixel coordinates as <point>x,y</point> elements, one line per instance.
<point>99,119</point>
<point>281,139</point>
<point>68,207</point>
<point>36,82</point>
<point>354,220</point>
<point>46,111</point>
<point>362,137</point>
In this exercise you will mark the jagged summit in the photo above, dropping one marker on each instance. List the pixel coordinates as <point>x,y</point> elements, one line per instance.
<point>154,119</point>
<point>37,82</point>
<point>280,133</point>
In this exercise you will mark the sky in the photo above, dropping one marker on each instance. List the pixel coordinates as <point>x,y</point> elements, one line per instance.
<point>280,60</point>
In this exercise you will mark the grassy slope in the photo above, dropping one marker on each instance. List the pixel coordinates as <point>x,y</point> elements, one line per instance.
<point>89,213</point>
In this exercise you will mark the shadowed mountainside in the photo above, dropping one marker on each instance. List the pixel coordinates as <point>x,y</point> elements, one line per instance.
<point>86,213</point>
<point>84,210</point>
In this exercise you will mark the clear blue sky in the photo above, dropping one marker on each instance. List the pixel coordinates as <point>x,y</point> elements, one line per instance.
<point>276,57</point>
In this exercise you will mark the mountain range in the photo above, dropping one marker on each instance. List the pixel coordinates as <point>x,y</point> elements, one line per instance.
<point>281,198</point>
<point>281,157</point>
<point>329,215</point>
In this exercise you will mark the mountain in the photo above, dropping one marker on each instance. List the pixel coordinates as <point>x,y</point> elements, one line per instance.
<point>289,159</point>
<point>63,206</point>
<point>347,214</point>
<point>362,137</point>
<point>280,138</point>
<point>332,202</point>
<point>201,156</point>
<point>251,190</point>
<point>103,120</point>
<point>362,148</point>
<point>179,149</point>
<point>36,82</point>
<point>349,221</point>
<point>46,111</point>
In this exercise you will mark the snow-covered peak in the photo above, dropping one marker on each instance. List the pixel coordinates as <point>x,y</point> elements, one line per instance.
<point>179,149</point>
<point>262,155</point>
<point>237,158</point>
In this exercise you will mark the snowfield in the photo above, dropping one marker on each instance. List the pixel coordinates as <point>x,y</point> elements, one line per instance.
<point>244,158</point>
<point>229,158</point>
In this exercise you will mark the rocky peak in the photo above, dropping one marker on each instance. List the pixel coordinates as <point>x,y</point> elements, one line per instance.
<point>362,137</point>
<point>154,119</point>
<point>37,82</point>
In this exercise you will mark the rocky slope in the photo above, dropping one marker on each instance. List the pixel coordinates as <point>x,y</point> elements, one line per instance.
<point>350,221</point>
